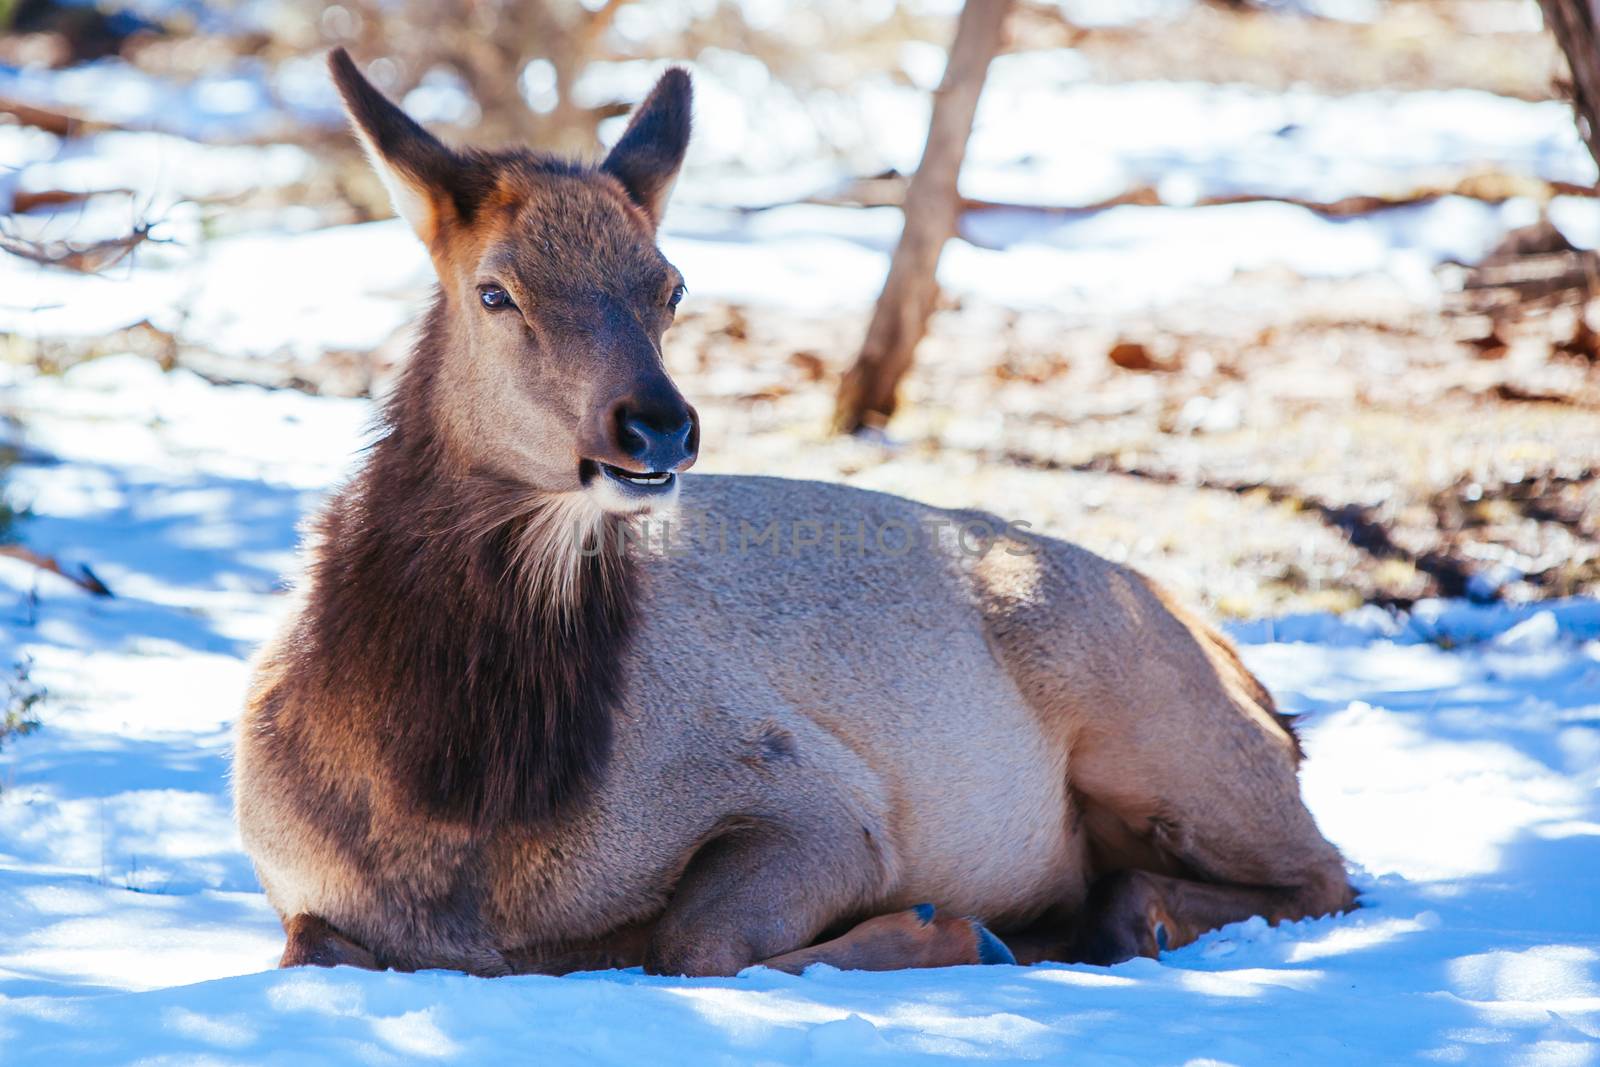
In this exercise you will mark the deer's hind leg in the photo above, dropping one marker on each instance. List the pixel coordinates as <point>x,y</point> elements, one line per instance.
<point>1138,913</point>
<point>313,943</point>
<point>1184,776</point>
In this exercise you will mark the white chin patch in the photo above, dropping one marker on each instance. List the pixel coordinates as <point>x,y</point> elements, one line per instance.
<point>646,496</point>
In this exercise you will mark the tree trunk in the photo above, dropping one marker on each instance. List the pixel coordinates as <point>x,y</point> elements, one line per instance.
<point>932,205</point>
<point>1574,24</point>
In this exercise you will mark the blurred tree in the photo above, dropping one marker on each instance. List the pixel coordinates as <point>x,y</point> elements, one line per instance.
<point>932,207</point>
<point>521,60</point>
<point>547,73</point>
<point>492,46</point>
<point>1573,24</point>
<point>85,31</point>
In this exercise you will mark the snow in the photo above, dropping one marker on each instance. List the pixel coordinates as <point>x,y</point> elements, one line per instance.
<point>1045,132</point>
<point>815,258</point>
<point>1047,135</point>
<point>283,293</point>
<point>159,167</point>
<point>236,103</point>
<point>1215,140</point>
<point>1454,755</point>
<point>252,294</point>
<point>350,287</point>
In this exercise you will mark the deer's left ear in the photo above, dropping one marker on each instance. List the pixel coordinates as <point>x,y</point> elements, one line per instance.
<point>647,159</point>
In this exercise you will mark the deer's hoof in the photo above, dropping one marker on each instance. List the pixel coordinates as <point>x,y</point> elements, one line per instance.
<point>990,948</point>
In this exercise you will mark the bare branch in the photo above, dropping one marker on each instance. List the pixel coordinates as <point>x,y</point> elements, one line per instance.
<point>86,259</point>
<point>85,579</point>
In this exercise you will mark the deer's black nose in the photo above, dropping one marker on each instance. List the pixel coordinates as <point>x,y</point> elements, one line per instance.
<point>656,435</point>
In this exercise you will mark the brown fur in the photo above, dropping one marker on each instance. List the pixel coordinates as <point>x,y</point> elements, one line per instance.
<point>489,702</point>
<point>478,746</point>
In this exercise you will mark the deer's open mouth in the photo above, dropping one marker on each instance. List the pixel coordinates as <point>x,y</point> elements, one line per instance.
<point>649,482</point>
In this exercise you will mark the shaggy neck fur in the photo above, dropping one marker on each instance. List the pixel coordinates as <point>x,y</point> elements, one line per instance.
<point>452,612</point>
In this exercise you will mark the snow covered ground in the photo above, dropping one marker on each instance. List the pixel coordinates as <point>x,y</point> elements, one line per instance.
<point>294,293</point>
<point>1454,756</point>
<point>1045,137</point>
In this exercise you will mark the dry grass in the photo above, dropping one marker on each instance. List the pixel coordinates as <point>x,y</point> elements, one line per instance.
<point>21,704</point>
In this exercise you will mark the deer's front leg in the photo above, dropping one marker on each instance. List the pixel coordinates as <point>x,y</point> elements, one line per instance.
<point>764,890</point>
<point>311,942</point>
<point>764,895</point>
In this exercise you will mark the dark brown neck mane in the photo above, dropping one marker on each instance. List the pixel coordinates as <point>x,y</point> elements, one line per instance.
<point>433,619</point>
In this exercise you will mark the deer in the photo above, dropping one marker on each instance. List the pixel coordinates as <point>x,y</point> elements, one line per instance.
<point>495,735</point>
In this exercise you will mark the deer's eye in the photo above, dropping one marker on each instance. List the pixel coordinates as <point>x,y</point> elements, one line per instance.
<point>494,298</point>
<point>677,296</point>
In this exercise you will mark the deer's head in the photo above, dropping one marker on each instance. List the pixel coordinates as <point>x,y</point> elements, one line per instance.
<point>553,299</point>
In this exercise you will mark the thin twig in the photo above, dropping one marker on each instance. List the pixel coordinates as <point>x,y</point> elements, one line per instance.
<point>85,579</point>
<point>86,259</point>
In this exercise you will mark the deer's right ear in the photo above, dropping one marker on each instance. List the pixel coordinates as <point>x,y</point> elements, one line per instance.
<point>427,182</point>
